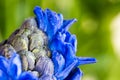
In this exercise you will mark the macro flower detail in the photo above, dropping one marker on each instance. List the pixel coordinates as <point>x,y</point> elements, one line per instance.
<point>42,49</point>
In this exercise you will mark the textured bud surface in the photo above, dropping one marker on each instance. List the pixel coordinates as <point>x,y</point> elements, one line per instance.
<point>45,66</point>
<point>31,44</point>
<point>7,50</point>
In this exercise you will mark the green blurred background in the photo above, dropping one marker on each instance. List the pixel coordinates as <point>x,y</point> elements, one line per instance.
<point>97,29</point>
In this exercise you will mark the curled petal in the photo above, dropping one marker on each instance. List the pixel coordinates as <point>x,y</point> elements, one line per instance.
<point>54,22</point>
<point>69,54</point>
<point>60,17</point>
<point>3,64</point>
<point>40,18</point>
<point>62,75</point>
<point>58,45</point>
<point>75,74</point>
<point>3,75</point>
<point>49,21</point>
<point>71,39</point>
<point>15,66</point>
<point>59,61</point>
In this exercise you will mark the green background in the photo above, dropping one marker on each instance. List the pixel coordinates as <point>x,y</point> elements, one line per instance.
<point>94,29</point>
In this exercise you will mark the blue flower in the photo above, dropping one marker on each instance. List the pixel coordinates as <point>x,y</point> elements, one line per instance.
<point>62,43</point>
<point>63,48</point>
<point>10,69</point>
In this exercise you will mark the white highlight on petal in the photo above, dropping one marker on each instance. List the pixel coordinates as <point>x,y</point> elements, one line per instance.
<point>18,63</point>
<point>115,34</point>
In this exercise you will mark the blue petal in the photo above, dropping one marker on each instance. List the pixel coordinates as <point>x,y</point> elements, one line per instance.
<point>27,76</point>
<point>58,45</point>
<point>15,66</point>
<point>3,75</point>
<point>60,36</point>
<point>71,39</point>
<point>62,75</point>
<point>60,17</point>
<point>54,22</point>
<point>85,60</point>
<point>40,17</point>
<point>69,54</point>
<point>3,64</point>
<point>58,61</point>
<point>67,24</point>
<point>49,21</point>
<point>75,74</point>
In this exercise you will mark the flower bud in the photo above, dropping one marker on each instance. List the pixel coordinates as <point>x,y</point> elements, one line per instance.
<point>20,43</point>
<point>44,66</point>
<point>7,50</point>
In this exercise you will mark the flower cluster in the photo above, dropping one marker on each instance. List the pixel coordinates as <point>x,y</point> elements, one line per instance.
<point>42,49</point>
